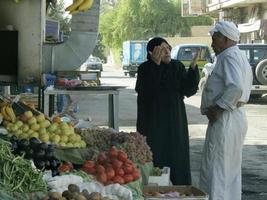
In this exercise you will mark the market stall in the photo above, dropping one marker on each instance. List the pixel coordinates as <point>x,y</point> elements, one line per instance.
<point>47,158</point>
<point>112,92</point>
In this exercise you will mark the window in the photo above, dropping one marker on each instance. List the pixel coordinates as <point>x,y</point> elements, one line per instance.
<point>259,54</point>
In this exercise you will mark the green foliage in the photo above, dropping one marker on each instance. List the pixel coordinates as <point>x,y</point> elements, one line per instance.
<point>143,19</point>
<point>57,12</point>
<point>99,50</point>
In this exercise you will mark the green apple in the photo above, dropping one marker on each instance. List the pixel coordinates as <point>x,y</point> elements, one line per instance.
<point>32,120</point>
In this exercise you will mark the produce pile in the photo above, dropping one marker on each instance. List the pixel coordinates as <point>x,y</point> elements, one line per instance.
<point>28,125</point>
<point>33,159</point>
<point>17,174</point>
<point>41,153</point>
<point>112,167</point>
<point>133,144</point>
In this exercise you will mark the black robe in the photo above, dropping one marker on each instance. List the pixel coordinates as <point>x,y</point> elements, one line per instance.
<point>161,115</point>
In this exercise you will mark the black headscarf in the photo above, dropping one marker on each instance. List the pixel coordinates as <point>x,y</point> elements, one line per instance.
<point>156,41</point>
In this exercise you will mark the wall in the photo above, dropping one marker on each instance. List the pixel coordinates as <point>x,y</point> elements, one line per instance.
<point>28,18</point>
<point>173,41</point>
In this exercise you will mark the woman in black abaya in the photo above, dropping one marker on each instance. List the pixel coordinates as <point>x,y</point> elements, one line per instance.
<point>161,85</point>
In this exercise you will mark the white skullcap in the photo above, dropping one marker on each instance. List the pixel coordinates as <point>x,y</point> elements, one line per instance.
<point>228,29</point>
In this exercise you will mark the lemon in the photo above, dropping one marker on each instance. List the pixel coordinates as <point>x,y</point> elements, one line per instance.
<point>44,137</point>
<point>55,139</point>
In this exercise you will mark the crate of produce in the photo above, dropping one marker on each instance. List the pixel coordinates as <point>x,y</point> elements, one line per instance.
<point>163,179</point>
<point>173,193</point>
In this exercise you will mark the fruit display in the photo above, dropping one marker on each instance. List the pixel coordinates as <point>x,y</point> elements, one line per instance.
<point>112,167</point>
<point>101,139</point>
<point>79,5</point>
<point>27,126</point>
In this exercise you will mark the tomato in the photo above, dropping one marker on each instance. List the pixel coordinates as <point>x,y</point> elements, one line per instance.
<point>122,156</point>
<point>100,169</point>
<point>118,179</point>
<point>128,168</point>
<point>65,167</point>
<point>116,163</point>
<point>136,174</point>
<point>109,182</point>
<point>110,173</point>
<point>89,164</point>
<point>101,177</point>
<point>108,165</point>
<point>113,152</point>
<point>101,158</point>
<point>128,178</point>
<point>119,172</point>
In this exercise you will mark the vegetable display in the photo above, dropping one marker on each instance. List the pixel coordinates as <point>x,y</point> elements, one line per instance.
<point>112,167</point>
<point>41,153</point>
<point>17,174</point>
<point>134,144</point>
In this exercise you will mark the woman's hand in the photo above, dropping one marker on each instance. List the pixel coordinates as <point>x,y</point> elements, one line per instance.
<point>156,54</point>
<point>195,59</point>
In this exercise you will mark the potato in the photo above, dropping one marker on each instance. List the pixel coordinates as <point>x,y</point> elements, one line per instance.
<point>74,188</point>
<point>86,194</point>
<point>68,194</point>
<point>95,196</point>
<point>80,197</point>
<point>54,195</point>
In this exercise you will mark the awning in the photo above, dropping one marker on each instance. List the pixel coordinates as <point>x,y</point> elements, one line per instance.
<point>249,27</point>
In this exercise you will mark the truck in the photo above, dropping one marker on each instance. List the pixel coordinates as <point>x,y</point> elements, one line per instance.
<point>133,54</point>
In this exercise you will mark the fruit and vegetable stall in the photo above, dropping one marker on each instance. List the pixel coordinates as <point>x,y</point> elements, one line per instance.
<point>47,158</point>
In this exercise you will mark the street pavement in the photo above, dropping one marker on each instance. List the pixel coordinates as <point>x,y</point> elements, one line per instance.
<point>254,166</point>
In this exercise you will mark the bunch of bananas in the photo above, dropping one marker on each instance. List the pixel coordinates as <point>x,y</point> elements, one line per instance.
<point>8,113</point>
<point>79,5</point>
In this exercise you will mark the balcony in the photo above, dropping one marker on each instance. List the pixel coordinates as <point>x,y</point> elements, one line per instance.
<point>214,5</point>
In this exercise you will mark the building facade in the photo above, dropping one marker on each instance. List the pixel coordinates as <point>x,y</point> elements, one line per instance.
<point>249,15</point>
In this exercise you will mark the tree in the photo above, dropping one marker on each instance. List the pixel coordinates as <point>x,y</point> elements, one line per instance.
<point>143,19</point>
<point>56,11</point>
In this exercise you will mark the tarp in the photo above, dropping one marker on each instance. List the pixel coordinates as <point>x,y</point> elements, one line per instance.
<point>249,27</point>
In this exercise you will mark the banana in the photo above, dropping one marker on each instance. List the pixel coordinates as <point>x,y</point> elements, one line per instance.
<point>74,12</point>
<point>9,110</point>
<point>5,115</point>
<point>74,6</point>
<point>86,5</point>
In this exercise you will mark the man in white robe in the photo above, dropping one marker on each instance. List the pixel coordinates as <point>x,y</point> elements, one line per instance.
<point>226,91</point>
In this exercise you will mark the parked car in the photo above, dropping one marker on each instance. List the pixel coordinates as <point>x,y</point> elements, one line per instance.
<point>185,52</point>
<point>92,63</point>
<point>257,57</point>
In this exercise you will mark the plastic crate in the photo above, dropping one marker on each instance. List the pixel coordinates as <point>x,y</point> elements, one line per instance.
<point>187,192</point>
<point>163,180</point>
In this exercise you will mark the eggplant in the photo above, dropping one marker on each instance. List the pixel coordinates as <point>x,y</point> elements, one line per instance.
<point>40,164</point>
<point>47,164</point>
<point>39,154</point>
<point>14,145</point>
<point>43,146</point>
<point>23,143</point>
<point>34,142</point>
<point>55,172</point>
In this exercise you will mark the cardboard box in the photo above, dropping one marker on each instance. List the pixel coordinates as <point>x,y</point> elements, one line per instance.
<point>163,180</point>
<point>186,193</point>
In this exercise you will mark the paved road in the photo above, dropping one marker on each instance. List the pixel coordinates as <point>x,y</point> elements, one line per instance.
<point>254,166</point>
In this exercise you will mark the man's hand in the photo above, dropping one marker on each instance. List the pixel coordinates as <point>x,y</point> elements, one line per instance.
<point>195,59</point>
<point>156,54</point>
<point>214,113</point>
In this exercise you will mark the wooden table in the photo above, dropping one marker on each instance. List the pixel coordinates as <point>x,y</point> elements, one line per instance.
<point>111,91</point>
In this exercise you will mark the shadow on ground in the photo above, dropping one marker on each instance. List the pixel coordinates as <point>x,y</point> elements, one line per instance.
<point>254,169</point>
